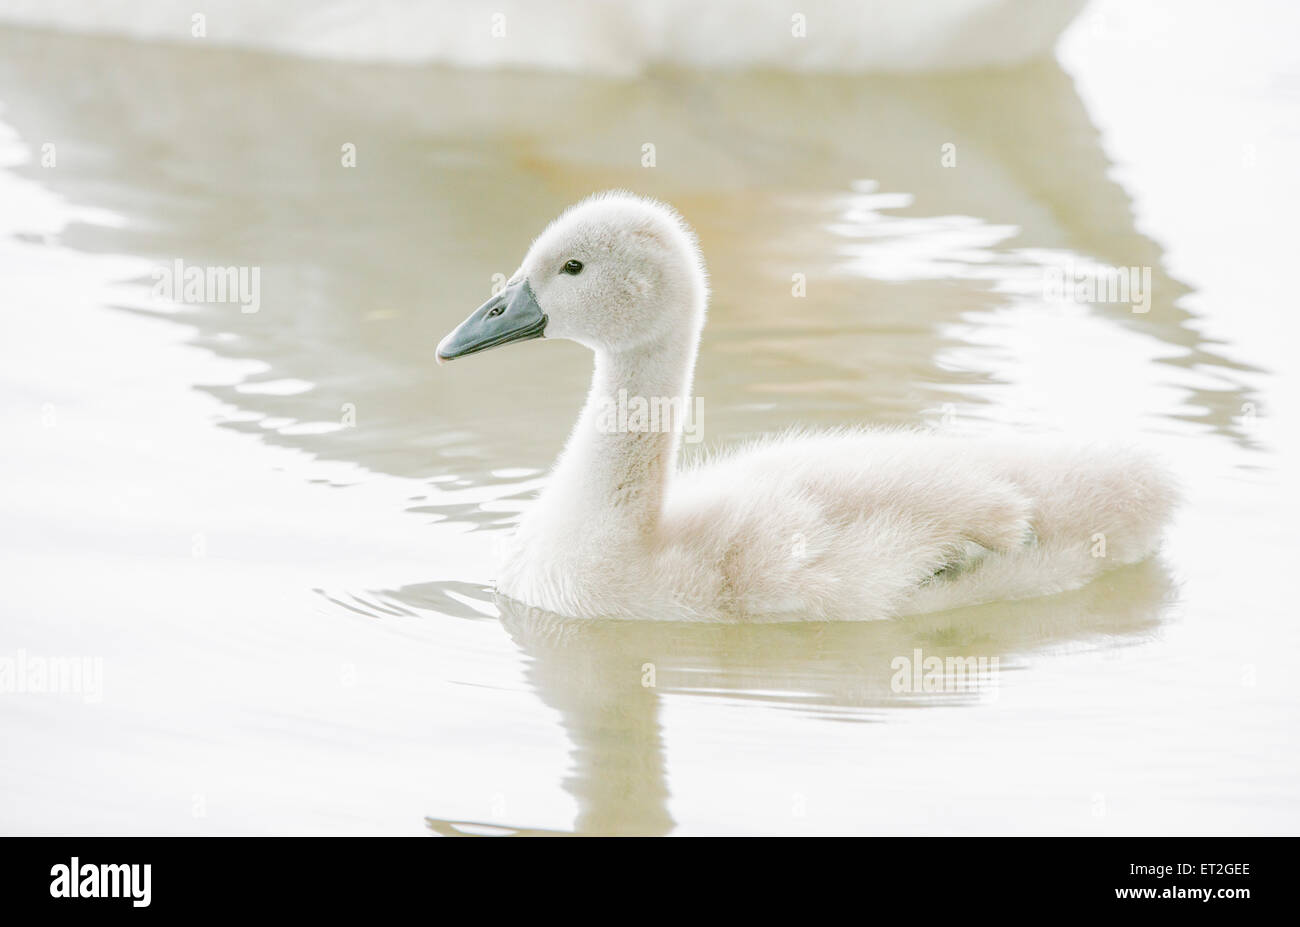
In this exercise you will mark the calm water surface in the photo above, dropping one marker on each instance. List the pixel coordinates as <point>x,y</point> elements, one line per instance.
<point>294,614</point>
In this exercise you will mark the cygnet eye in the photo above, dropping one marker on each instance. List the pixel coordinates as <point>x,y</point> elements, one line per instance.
<point>495,311</point>
<point>572,267</point>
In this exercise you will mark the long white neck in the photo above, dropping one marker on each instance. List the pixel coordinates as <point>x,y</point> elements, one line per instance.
<point>610,481</point>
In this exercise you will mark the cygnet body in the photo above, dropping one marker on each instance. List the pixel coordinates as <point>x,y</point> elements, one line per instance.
<point>852,524</point>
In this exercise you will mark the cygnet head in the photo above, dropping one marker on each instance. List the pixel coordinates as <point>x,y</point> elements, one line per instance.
<point>617,273</point>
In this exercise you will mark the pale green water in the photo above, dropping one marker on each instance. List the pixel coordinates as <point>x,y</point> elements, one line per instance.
<point>295,618</point>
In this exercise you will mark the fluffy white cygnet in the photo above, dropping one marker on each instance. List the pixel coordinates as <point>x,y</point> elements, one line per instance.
<point>852,524</point>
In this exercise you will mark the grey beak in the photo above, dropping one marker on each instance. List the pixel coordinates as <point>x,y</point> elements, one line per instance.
<point>511,315</point>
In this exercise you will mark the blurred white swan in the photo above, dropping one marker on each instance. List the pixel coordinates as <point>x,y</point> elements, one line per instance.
<point>846,525</point>
<point>600,36</point>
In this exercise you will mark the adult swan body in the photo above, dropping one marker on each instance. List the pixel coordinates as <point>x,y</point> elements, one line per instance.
<point>852,524</point>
